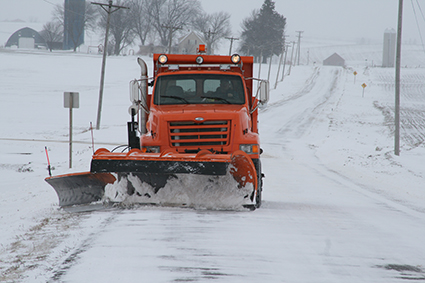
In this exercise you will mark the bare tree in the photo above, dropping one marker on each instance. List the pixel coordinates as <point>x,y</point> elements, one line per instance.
<point>169,16</point>
<point>86,19</point>
<point>52,32</point>
<point>213,27</point>
<point>121,27</point>
<point>141,13</point>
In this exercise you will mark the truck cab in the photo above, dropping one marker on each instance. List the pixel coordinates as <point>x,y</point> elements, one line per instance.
<point>201,104</point>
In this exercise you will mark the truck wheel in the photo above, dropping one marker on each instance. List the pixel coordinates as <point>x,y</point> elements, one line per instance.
<point>259,191</point>
<point>260,185</point>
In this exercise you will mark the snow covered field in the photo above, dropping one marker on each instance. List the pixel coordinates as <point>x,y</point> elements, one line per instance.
<point>338,205</point>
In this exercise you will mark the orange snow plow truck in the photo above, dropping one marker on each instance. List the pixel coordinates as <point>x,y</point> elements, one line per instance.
<point>192,142</point>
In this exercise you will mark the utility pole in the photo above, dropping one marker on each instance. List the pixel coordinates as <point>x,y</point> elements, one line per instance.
<point>270,67</point>
<point>280,63</point>
<point>284,60</point>
<point>231,43</point>
<point>299,46</point>
<point>110,9</point>
<point>261,61</point>
<point>397,81</point>
<point>209,41</point>
<point>171,30</point>
<point>292,57</point>
<point>259,67</point>
<point>308,57</point>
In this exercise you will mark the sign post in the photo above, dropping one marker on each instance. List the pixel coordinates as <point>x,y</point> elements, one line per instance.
<point>70,100</point>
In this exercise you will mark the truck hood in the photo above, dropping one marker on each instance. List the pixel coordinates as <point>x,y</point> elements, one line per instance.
<point>201,113</point>
<point>199,108</point>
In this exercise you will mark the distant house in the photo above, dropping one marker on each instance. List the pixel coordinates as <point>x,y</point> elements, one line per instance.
<point>334,60</point>
<point>189,44</point>
<point>26,38</point>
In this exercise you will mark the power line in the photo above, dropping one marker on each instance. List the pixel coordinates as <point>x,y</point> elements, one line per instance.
<point>49,2</point>
<point>423,17</point>
<point>417,24</point>
<point>420,9</point>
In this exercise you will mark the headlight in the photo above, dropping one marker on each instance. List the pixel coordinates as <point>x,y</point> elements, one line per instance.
<point>151,149</point>
<point>235,59</point>
<point>162,59</point>
<point>250,148</point>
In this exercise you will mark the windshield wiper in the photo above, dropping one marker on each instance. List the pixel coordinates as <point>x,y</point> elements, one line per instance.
<point>176,97</point>
<point>216,98</point>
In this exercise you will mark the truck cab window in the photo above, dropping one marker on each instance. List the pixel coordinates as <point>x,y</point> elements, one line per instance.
<point>199,89</point>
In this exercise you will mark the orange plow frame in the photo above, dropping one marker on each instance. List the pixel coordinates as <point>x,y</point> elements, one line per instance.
<point>82,188</point>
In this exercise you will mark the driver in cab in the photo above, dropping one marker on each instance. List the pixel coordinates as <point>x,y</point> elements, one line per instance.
<point>225,90</point>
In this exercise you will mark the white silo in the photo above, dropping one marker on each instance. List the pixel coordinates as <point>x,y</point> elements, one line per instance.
<point>388,56</point>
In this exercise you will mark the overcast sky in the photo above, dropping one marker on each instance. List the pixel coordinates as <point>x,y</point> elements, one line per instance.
<point>332,19</point>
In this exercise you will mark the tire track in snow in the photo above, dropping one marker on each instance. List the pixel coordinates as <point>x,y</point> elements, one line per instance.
<point>47,250</point>
<point>315,95</point>
<point>84,244</point>
<point>308,86</point>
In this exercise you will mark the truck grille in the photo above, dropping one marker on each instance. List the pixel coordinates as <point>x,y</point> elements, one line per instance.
<point>195,135</point>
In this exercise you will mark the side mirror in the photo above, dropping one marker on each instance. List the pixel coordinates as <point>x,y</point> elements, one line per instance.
<point>134,92</point>
<point>264,92</point>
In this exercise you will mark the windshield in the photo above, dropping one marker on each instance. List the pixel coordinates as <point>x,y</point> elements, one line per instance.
<point>199,89</point>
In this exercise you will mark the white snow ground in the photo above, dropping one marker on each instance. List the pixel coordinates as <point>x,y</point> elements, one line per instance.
<point>338,205</point>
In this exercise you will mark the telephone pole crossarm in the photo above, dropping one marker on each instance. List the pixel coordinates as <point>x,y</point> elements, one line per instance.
<point>112,6</point>
<point>231,43</point>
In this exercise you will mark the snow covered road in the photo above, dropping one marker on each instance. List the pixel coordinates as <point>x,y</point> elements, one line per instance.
<point>309,239</point>
<point>338,206</point>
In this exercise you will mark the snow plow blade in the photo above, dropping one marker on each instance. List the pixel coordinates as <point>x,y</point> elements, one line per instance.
<point>80,188</point>
<point>193,180</point>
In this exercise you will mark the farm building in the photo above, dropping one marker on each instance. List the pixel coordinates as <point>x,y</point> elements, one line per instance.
<point>334,60</point>
<point>26,38</point>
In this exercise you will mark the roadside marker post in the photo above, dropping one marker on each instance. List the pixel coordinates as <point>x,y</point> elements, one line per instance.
<point>364,86</point>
